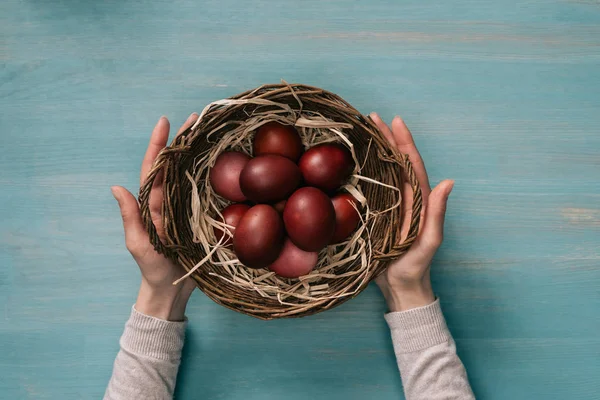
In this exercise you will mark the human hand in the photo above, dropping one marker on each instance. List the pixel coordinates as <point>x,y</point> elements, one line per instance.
<point>406,283</point>
<point>158,297</point>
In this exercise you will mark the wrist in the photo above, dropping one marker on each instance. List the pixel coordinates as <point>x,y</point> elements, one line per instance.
<point>409,297</point>
<point>167,304</point>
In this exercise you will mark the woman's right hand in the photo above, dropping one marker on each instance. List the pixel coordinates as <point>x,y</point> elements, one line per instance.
<point>406,283</point>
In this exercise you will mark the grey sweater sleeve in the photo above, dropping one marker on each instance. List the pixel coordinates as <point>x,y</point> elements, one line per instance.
<point>146,366</point>
<point>426,355</point>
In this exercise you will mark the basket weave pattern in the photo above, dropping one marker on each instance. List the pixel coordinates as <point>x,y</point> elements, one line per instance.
<point>262,295</point>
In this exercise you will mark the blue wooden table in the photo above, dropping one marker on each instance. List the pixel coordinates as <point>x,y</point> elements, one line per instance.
<point>502,96</point>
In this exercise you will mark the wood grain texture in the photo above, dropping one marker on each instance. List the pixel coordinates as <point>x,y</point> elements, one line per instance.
<point>502,96</point>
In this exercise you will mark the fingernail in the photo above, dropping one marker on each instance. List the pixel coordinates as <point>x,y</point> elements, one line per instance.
<point>115,192</point>
<point>374,115</point>
<point>451,186</point>
<point>162,118</point>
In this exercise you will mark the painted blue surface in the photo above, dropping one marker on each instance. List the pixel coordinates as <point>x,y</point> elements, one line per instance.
<point>502,96</point>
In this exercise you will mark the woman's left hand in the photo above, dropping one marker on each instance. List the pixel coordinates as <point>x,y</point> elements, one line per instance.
<point>158,297</point>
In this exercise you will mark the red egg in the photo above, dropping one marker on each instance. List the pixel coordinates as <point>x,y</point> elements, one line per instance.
<point>231,216</point>
<point>326,166</point>
<point>225,175</point>
<point>275,138</point>
<point>346,216</point>
<point>294,262</point>
<point>269,178</point>
<point>309,219</point>
<point>259,237</point>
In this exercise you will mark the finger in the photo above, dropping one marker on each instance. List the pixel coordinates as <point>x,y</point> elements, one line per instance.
<point>406,145</point>
<point>135,233</point>
<point>407,203</point>
<point>158,140</point>
<point>383,128</point>
<point>156,195</point>
<point>433,229</point>
<point>188,122</point>
<point>406,188</point>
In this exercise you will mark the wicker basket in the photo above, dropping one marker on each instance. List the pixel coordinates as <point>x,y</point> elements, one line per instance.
<point>190,209</point>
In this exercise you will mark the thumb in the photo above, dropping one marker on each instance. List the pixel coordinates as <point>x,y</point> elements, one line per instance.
<point>433,229</point>
<point>135,233</point>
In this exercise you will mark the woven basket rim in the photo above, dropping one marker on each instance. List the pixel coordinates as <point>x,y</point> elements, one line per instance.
<point>181,145</point>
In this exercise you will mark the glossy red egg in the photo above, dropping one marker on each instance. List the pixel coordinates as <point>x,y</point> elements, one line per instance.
<point>225,175</point>
<point>278,139</point>
<point>326,166</point>
<point>293,261</point>
<point>259,236</point>
<point>346,216</point>
<point>309,219</point>
<point>231,216</point>
<point>269,178</point>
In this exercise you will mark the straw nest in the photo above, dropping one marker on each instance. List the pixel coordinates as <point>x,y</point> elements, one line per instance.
<point>191,209</point>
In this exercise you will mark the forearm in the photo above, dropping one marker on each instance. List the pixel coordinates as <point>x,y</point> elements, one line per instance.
<point>147,363</point>
<point>425,351</point>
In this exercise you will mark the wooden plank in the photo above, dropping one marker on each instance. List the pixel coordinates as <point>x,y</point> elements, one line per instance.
<point>501,96</point>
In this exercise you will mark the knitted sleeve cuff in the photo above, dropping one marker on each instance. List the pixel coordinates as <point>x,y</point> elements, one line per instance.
<point>153,337</point>
<point>418,328</point>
